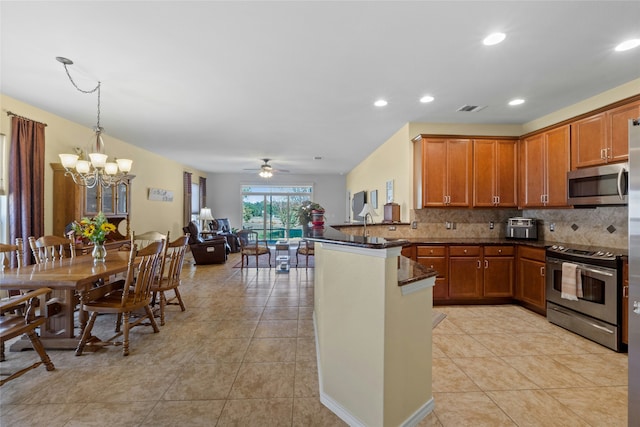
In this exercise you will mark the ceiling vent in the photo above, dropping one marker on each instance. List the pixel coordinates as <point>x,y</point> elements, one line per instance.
<point>471,108</point>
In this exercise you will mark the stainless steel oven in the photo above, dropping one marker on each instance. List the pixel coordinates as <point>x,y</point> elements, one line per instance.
<point>596,313</point>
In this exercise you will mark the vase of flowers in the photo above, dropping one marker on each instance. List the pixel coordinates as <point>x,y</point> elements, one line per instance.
<point>95,230</point>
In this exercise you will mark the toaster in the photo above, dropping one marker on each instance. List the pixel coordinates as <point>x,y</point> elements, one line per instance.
<point>522,228</point>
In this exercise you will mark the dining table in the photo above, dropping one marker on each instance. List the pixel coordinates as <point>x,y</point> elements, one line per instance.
<point>71,280</point>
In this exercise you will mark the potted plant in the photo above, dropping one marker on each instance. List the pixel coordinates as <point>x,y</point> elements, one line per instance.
<point>310,212</point>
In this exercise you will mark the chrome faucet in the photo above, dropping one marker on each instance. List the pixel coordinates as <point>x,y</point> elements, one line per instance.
<point>364,231</point>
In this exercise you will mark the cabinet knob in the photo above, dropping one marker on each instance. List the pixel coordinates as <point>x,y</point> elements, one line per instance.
<point>465,251</point>
<point>499,251</point>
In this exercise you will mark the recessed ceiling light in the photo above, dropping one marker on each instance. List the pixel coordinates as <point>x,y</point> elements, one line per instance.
<point>627,44</point>
<point>494,38</point>
<point>380,103</point>
<point>516,101</point>
<point>426,98</point>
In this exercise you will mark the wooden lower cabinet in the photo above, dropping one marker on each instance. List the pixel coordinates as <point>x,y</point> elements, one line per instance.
<point>499,271</point>
<point>465,272</point>
<point>530,284</point>
<point>435,257</point>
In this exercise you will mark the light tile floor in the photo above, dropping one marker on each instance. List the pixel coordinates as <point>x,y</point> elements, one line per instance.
<point>243,354</point>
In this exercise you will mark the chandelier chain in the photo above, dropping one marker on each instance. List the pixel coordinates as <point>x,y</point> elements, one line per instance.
<point>97,88</point>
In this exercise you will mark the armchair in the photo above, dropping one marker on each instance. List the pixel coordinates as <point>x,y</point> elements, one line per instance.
<point>222,228</point>
<point>209,251</point>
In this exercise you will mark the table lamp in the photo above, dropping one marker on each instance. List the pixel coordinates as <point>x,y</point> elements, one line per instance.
<point>205,215</point>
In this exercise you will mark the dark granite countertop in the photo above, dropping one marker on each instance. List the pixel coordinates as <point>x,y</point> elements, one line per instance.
<point>410,271</point>
<point>505,241</point>
<point>331,235</point>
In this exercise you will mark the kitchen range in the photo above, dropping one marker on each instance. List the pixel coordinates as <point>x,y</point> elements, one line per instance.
<point>586,299</point>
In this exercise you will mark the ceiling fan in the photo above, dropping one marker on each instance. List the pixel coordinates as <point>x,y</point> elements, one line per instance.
<point>266,170</point>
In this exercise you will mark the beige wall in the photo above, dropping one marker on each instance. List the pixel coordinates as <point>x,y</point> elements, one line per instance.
<point>394,159</point>
<point>151,170</point>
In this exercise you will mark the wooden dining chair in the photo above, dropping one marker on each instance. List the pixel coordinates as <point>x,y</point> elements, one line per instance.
<point>14,323</point>
<point>306,249</point>
<point>250,245</point>
<point>169,277</point>
<point>11,252</point>
<point>51,248</point>
<point>134,295</point>
<point>144,239</point>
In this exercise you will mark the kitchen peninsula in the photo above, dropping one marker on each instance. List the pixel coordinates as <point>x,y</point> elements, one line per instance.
<point>372,318</point>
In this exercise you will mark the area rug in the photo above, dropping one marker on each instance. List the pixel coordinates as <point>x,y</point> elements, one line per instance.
<point>437,318</point>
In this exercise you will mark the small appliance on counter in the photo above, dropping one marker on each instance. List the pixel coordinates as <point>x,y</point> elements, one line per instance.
<point>522,228</point>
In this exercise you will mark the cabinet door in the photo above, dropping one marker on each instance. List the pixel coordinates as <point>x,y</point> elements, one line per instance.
<point>588,144</point>
<point>465,272</point>
<point>434,172</point>
<point>531,286</point>
<point>459,168</point>
<point>618,121</point>
<point>498,276</point>
<point>91,198</point>
<point>108,200</point>
<point>484,173</point>
<point>557,156</point>
<point>507,173</point>
<point>532,174</point>
<point>122,199</point>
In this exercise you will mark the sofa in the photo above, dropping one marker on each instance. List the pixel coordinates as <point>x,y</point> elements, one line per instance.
<point>222,228</point>
<point>206,251</point>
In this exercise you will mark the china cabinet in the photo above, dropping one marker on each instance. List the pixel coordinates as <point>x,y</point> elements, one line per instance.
<point>71,202</point>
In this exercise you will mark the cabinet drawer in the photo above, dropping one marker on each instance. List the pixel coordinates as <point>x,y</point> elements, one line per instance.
<point>431,251</point>
<point>499,250</point>
<point>537,254</point>
<point>464,251</point>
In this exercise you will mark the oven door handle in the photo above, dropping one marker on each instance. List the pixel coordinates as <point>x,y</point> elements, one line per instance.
<point>583,267</point>
<point>602,328</point>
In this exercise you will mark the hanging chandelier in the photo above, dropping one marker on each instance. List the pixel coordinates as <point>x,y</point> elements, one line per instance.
<point>97,169</point>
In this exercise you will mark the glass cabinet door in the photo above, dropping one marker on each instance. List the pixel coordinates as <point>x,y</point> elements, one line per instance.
<point>107,200</point>
<point>91,201</point>
<point>122,193</point>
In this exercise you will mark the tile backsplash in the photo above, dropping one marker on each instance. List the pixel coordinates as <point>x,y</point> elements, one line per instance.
<point>602,226</point>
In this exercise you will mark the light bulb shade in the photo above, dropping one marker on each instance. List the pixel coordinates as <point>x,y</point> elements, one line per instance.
<point>205,214</point>
<point>367,209</point>
<point>83,166</point>
<point>124,164</point>
<point>68,160</point>
<point>98,160</point>
<point>111,168</point>
<point>265,173</point>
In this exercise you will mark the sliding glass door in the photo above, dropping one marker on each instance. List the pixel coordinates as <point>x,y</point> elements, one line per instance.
<point>272,211</point>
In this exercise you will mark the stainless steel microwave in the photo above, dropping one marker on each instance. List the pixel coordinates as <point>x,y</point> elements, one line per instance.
<point>599,185</point>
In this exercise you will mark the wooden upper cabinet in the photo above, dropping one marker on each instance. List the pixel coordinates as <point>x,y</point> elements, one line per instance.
<point>544,163</point>
<point>602,138</point>
<point>618,121</point>
<point>446,172</point>
<point>588,145</point>
<point>558,157</point>
<point>495,173</point>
